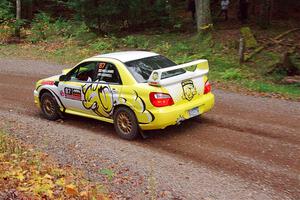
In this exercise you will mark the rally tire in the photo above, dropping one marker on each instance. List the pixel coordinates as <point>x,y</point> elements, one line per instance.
<point>126,124</point>
<point>49,107</point>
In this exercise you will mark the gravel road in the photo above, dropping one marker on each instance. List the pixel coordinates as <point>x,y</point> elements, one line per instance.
<point>246,148</point>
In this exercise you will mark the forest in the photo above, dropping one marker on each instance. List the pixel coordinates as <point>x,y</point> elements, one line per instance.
<point>252,45</point>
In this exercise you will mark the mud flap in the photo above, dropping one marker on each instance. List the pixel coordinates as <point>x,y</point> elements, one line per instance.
<point>144,136</point>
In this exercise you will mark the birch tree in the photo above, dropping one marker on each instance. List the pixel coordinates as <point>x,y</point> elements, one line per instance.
<point>203,15</point>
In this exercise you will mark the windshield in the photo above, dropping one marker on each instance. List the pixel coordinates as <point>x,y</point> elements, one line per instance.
<point>141,69</point>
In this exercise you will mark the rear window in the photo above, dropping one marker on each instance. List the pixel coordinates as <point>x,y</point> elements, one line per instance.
<point>141,69</point>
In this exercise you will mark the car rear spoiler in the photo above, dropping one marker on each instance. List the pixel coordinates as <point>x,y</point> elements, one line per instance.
<point>201,69</point>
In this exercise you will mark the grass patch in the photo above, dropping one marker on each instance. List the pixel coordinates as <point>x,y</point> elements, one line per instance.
<point>232,74</point>
<point>28,174</point>
<point>289,90</point>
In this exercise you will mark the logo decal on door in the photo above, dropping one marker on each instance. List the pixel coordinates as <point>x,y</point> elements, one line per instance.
<point>72,93</point>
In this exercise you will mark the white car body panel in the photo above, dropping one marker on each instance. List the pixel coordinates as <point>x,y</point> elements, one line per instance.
<point>127,56</point>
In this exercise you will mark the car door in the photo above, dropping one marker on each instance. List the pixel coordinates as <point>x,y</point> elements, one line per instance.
<point>71,88</point>
<point>104,93</point>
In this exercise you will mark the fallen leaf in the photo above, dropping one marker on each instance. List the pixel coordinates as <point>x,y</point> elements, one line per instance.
<point>60,182</point>
<point>83,194</point>
<point>71,190</point>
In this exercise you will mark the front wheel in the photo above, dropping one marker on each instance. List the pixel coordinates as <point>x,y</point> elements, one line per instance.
<point>126,124</point>
<point>49,107</point>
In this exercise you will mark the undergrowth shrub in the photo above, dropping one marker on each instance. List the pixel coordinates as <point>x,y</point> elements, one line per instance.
<point>82,34</point>
<point>43,27</point>
<point>135,42</point>
<point>232,74</point>
<point>101,45</point>
<point>5,32</point>
<point>179,48</point>
<point>8,22</point>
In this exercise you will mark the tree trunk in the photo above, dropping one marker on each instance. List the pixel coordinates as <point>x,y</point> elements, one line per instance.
<point>28,14</point>
<point>203,15</point>
<point>265,13</point>
<point>242,50</point>
<point>18,19</point>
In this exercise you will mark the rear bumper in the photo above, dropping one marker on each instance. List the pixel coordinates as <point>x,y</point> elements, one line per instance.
<point>172,115</point>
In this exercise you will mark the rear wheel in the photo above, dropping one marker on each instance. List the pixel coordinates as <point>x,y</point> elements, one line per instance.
<point>126,124</point>
<point>49,106</point>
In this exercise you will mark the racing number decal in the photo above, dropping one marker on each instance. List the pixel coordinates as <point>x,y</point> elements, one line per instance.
<point>74,94</point>
<point>101,65</point>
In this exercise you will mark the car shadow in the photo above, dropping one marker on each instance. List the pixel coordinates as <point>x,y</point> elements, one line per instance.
<point>107,129</point>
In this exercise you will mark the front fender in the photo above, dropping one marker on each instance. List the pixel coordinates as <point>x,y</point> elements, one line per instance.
<point>51,89</point>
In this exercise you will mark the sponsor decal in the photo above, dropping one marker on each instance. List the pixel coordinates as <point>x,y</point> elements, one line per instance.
<point>155,76</point>
<point>101,99</point>
<point>62,93</point>
<point>72,93</point>
<point>105,73</point>
<point>189,90</point>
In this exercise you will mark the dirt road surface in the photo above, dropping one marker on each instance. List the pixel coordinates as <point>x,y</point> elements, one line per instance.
<point>246,148</point>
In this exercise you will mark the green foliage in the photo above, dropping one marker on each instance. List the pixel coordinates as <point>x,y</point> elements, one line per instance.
<point>290,90</point>
<point>6,11</point>
<point>295,60</point>
<point>7,19</point>
<point>135,41</point>
<point>43,27</point>
<point>180,48</point>
<point>101,45</point>
<point>107,172</point>
<point>81,32</point>
<point>232,74</point>
<point>115,15</point>
<point>40,27</point>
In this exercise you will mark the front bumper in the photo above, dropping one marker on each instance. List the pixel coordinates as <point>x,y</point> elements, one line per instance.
<point>36,98</point>
<point>173,115</point>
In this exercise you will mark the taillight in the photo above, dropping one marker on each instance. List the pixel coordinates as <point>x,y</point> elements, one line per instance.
<point>207,87</point>
<point>161,99</point>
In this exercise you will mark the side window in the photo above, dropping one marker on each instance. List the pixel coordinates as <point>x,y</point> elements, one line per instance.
<point>85,72</point>
<point>108,73</point>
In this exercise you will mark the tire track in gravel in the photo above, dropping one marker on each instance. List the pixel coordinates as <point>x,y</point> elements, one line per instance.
<point>283,133</point>
<point>263,161</point>
<point>253,138</point>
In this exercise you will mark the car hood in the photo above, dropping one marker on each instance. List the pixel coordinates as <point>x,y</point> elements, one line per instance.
<point>48,80</point>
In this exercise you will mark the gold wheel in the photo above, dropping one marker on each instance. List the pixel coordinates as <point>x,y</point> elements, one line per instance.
<point>48,106</point>
<point>124,123</point>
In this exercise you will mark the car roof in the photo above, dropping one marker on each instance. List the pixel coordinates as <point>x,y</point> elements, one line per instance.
<point>126,56</point>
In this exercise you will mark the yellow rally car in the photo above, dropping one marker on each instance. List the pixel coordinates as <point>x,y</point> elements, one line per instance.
<point>135,90</point>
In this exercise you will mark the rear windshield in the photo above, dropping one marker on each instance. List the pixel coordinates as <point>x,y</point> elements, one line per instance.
<point>141,69</point>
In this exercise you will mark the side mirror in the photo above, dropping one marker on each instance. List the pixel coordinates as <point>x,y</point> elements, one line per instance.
<point>62,77</point>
